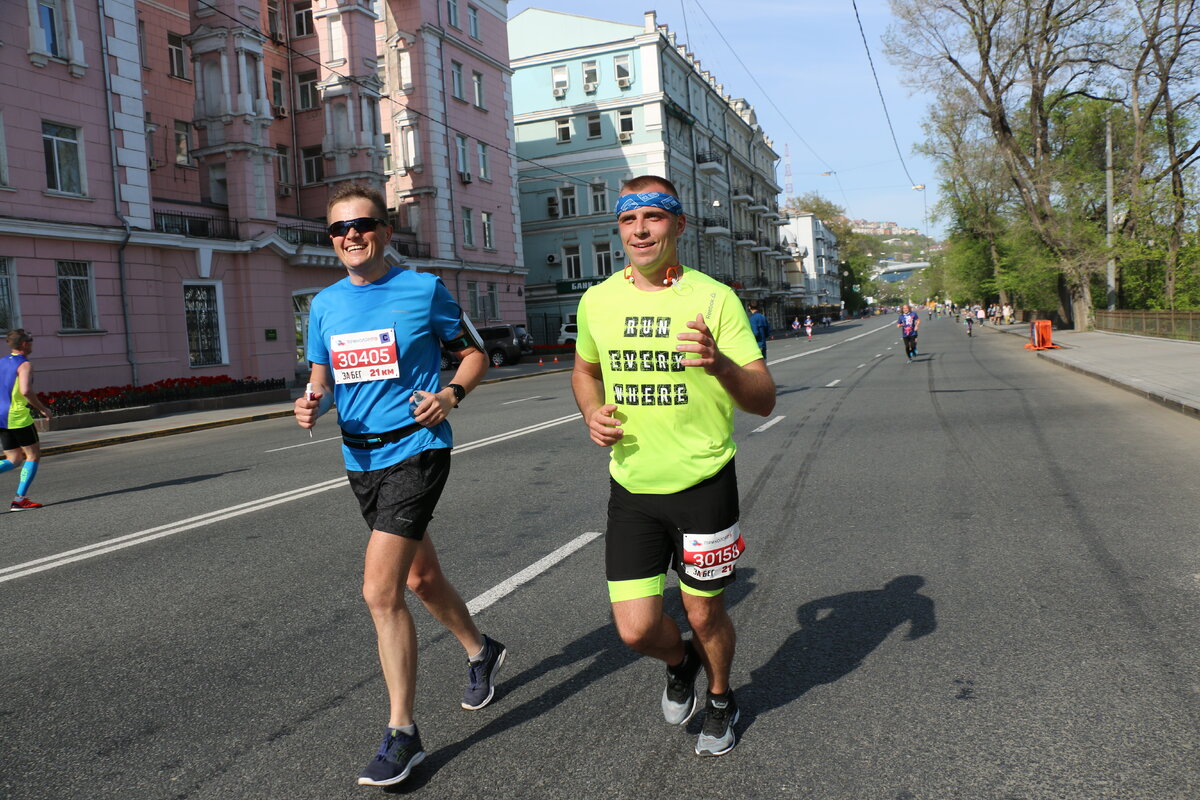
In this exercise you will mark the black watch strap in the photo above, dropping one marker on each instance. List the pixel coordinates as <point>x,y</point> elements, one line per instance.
<point>459,393</point>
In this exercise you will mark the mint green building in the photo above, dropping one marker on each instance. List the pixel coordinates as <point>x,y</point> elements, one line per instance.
<point>610,101</point>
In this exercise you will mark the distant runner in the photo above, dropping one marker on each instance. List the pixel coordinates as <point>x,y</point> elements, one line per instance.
<point>909,322</point>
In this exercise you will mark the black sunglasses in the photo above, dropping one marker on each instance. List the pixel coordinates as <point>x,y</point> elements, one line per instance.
<point>361,224</point>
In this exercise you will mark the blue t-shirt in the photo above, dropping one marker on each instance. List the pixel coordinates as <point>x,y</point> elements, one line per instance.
<point>419,312</point>
<point>908,324</point>
<point>760,327</point>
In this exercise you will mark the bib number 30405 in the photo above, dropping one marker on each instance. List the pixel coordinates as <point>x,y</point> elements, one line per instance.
<point>708,556</point>
<point>364,356</point>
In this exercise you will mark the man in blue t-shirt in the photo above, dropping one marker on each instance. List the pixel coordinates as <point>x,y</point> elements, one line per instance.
<point>908,322</point>
<point>760,327</point>
<point>374,343</point>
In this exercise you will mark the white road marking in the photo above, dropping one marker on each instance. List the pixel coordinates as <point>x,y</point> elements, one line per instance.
<point>529,573</point>
<point>826,347</point>
<point>304,444</point>
<point>831,384</point>
<point>522,400</point>
<point>764,426</point>
<point>860,366</point>
<point>172,528</point>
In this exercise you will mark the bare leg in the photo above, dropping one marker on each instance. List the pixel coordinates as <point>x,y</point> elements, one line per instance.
<point>433,588</point>
<point>714,637</point>
<point>645,628</point>
<point>388,560</point>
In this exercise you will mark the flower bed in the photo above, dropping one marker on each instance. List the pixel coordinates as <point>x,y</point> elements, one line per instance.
<point>109,398</point>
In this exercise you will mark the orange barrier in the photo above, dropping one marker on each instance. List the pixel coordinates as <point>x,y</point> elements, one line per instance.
<point>1040,335</point>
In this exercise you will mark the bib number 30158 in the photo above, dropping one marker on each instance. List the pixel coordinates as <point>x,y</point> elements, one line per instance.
<point>708,556</point>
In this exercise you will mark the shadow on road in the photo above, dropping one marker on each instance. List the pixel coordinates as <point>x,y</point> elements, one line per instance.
<point>836,634</point>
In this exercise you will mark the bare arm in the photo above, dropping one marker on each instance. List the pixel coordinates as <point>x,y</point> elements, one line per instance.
<point>25,386</point>
<point>588,385</point>
<point>751,386</point>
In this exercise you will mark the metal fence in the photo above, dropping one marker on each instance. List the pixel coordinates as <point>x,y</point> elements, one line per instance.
<point>188,223</point>
<point>1166,324</point>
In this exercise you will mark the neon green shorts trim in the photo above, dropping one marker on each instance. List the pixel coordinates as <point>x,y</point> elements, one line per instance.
<point>653,586</point>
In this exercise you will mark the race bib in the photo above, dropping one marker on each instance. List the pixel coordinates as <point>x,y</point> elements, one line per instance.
<point>708,556</point>
<point>365,356</point>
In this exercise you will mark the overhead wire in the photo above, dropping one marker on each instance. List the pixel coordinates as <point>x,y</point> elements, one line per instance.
<point>879,89</point>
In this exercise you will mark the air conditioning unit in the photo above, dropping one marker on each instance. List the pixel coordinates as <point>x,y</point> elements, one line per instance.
<point>618,254</point>
<point>625,136</point>
<point>464,176</point>
<point>589,87</point>
<point>552,259</point>
<point>285,191</point>
<point>279,111</point>
<point>560,92</point>
<point>552,206</point>
<point>625,83</point>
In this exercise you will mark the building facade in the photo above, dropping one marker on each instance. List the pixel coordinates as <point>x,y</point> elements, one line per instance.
<point>813,268</point>
<point>612,101</point>
<point>164,171</point>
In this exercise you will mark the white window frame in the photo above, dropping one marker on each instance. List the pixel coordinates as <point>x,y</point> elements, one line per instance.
<point>452,13</point>
<point>409,154</point>
<point>456,80</point>
<point>176,56</point>
<point>387,154</point>
<point>308,96</point>
<point>602,258</point>
<point>487,225</point>
<point>182,132</point>
<point>572,263</point>
<point>477,88</point>
<point>562,130</point>
<point>473,22</point>
<point>56,141</point>
<point>8,294</point>
<point>222,339</point>
<point>595,125</point>
<point>600,198</point>
<point>591,73</point>
<point>567,206</point>
<point>313,166</point>
<point>622,60</point>
<point>3,153</point>
<point>560,78</point>
<point>463,162</point>
<point>468,227</point>
<point>278,94</point>
<point>283,156</point>
<point>625,120</point>
<point>485,167</point>
<point>89,288</point>
<point>302,19</point>
<point>274,29</point>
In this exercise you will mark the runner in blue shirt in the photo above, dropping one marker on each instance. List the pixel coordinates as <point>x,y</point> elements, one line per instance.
<point>909,322</point>
<point>374,343</point>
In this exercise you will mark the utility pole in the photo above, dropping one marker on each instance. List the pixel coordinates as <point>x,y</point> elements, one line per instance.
<point>1111,272</point>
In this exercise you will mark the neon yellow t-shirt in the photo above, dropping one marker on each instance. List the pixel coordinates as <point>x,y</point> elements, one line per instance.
<point>678,421</point>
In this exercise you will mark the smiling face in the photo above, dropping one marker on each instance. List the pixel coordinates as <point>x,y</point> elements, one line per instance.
<point>651,237</point>
<point>361,252</point>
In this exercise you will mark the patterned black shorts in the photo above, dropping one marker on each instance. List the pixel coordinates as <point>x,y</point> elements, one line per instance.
<point>400,499</point>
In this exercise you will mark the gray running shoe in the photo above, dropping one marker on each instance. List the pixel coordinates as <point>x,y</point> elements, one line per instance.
<point>679,698</point>
<point>481,675</point>
<point>717,737</point>
<point>398,754</point>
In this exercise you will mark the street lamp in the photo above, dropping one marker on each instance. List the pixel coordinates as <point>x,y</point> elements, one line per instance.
<point>920,187</point>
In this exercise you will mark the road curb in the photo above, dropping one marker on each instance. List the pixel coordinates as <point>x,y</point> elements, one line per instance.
<point>1149,394</point>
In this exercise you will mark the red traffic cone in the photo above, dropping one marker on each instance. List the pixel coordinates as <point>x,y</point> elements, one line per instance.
<point>556,359</point>
<point>539,361</point>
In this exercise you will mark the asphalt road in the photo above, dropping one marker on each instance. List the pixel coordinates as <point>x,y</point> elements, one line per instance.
<point>973,576</point>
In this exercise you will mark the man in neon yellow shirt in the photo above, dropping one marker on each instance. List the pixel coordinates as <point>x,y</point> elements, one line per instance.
<point>664,354</point>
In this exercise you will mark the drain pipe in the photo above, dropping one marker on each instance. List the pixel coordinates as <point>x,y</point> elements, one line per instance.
<point>116,178</point>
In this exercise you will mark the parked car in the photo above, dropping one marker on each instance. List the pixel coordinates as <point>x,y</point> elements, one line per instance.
<point>567,333</point>
<point>502,343</point>
<point>526,339</point>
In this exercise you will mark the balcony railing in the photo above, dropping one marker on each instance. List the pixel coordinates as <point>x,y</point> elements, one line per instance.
<point>187,223</point>
<point>709,157</point>
<point>305,234</point>
<point>411,249</point>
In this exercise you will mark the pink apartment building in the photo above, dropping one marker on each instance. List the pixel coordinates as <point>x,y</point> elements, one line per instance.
<point>164,168</point>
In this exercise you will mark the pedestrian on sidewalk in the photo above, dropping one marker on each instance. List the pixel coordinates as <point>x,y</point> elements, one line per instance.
<point>396,448</point>
<point>668,421</point>
<point>19,436</point>
<point>760,327</point>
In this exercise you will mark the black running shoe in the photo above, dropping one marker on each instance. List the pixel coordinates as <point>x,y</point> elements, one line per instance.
<point>679,698</point>
<point>398,754</point>
<point>481,675</point>
<point>717,737</point>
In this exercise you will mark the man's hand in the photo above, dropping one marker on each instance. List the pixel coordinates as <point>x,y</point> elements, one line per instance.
<point>433,408</point>
<point>700,343</point>
<point>603,427</point>
<point>307,409</point>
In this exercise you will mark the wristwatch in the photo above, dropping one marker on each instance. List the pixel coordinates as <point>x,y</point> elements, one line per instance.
<point>459,393</point>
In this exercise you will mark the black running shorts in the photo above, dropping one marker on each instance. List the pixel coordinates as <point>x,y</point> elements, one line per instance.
<point>400,499</point>
<point>16,438</point>
<point>645,535</point>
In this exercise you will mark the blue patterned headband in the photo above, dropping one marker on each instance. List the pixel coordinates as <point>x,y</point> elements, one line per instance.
<point>667,202</point>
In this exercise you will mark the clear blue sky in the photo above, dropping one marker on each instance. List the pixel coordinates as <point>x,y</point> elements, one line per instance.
<point>817,95</point>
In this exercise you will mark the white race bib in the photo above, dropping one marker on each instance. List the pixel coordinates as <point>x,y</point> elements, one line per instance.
<point>708,556</point>
<point>365,356</point>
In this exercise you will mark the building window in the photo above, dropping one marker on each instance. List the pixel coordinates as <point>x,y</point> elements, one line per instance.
<point>621,70</point>
<point>61,147</point>
<point>143,58</point>
<point>273,27</point>
<point>591,75</point>
<point>76,301</point>
<point>456,79</point>
<point>604,261</point>
<point>559,79</point>
<point>176,56</point>
<point>477,86</point>
<point>593,126</point>
<point>473,21</point>
<point>277,98</point>
<point>485,168</point>
<point>50,17</point>
<point>600,198</point>
<point>314,164</point>
<point>468,227</point>
<point>302,18</point>
<point>283,159</point>
<point>202,311</point>
<point>489,235</point>
<point>308,95</point>
<point>452,12</point>
<point>8,304</point>
<point>572,266</point>
<point>625,121</point>
<point>387,152</point>
<point>408,146</point>
<point>183,143</point>
<point>562,130</point>
<point>3,153</point>
<point>566,201</point>
<point>460,152</point>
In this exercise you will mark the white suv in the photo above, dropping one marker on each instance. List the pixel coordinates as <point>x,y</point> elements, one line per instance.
<point>567,333</point>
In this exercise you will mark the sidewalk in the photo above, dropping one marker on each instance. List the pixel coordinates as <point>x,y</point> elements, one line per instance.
<point>1166,371</point>
<point>1162,370</point>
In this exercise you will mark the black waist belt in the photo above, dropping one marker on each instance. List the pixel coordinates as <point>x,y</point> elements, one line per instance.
<point>373,441</point>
